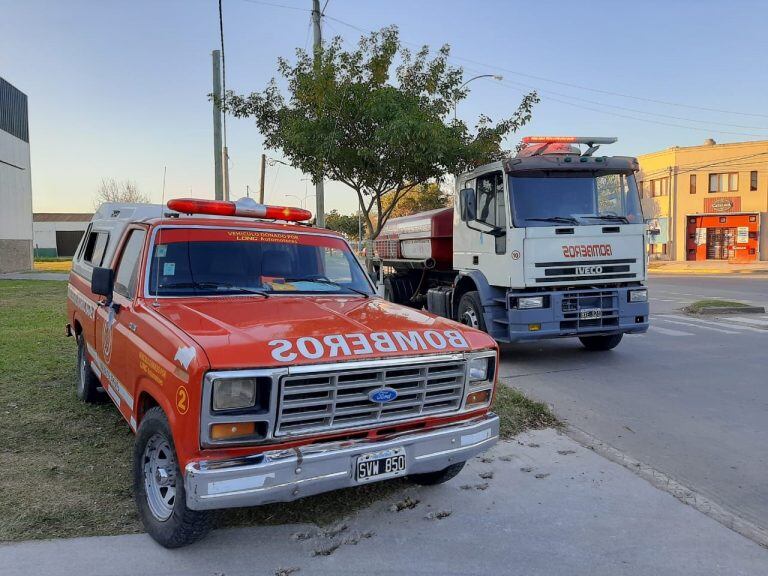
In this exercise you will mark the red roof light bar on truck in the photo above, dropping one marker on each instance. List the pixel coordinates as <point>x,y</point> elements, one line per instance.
<point>246,207</point>
<point>590,140</point>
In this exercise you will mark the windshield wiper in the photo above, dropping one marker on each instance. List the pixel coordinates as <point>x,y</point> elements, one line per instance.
<point>611,217</point>
<point>328,283</point>
<point>561,219</point>
<point>215,286</point>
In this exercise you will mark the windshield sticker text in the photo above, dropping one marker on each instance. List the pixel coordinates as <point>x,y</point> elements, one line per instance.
<point>587,250</point>
<point>340,345</point>
<point>257,236</point>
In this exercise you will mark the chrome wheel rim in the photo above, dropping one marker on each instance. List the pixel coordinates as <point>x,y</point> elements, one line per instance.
<point>159,465</point>
<point>469,318</point>
<point>83,367</point>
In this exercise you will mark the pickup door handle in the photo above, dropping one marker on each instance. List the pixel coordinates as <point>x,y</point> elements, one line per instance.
<point>132,326</point>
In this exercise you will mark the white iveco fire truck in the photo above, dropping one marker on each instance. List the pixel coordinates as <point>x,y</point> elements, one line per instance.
<point>548,244</point>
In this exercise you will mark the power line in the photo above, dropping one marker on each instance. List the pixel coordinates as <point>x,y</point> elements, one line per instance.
<point>276,5</point>
<point>223,75</point>
<point>570,85</point>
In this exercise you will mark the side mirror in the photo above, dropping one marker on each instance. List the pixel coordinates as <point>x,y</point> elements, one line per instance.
<point>103,282</point>
<point>468,204</point>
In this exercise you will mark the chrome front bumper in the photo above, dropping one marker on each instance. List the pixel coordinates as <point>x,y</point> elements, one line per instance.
<point>285,475</point>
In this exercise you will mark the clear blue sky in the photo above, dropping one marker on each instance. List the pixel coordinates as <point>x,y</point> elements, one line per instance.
<point>118,88</point>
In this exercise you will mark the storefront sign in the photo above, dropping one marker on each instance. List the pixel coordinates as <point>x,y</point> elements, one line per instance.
<point>742,235</point>
<point>731,204</point>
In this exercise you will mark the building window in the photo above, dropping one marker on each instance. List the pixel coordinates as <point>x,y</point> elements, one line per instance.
<point>725,182</point>
<point>659,187</point>
<point>753,181</point>
<point>693,183</point>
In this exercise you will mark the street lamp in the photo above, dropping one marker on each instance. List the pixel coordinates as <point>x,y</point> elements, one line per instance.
<point>497,77</point>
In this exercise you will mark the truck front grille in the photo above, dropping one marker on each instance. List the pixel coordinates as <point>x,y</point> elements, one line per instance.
<point>330,400</point>
<point>585,270</point>
<point>604,300</point>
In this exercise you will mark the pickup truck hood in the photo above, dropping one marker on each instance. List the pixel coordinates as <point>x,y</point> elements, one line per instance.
<point>257,332</point>
<point>606,253</point>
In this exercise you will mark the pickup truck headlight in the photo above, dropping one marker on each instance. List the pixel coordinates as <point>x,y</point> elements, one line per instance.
<point>638,295</point>
<point>232,393</point>
<point>478,369</point>
<point>530,302</point>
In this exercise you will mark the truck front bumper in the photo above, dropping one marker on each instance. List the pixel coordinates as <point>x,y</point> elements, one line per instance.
<point>285,475</point>
<point>561,317</point>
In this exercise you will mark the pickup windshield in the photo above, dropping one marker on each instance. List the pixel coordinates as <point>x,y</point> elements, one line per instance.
<point>548,198</point>
<point>207,262</point>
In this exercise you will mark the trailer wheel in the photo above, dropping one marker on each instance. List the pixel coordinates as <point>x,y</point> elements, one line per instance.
<point>158,486</point>
<point>88,385</point>
<point>439,477</point>
<point>601,343</point>
<point>470,312</point>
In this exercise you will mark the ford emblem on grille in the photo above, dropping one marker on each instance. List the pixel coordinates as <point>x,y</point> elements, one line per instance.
<point>382,395</point>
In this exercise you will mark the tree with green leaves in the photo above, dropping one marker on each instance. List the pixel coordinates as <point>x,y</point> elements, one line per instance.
<point>420,198</point>
<point>347,224</point>
<point>378,118</point>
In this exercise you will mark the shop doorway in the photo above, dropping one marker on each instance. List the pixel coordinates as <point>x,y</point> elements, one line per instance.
<point>720,243</point>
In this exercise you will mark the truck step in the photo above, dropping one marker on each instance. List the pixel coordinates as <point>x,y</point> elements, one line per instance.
<point>502,322</point>
<point>502,301</point>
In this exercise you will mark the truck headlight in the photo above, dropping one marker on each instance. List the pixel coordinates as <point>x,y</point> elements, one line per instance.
<point>478,369</point>
<point>232,393</point>
<point>638,295</point>
<point>530,302</point>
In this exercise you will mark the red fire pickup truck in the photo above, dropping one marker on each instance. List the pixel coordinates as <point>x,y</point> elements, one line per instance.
<point>256,364</point>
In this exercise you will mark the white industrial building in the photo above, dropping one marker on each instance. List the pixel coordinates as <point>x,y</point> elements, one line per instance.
<point>15,181</point>
<point>57,233</point>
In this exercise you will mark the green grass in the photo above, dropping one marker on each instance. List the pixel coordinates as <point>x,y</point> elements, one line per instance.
<point>702,305</point>
<point>65,467</point>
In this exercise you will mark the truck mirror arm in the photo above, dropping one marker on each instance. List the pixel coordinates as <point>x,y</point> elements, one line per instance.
<point>494,231</point>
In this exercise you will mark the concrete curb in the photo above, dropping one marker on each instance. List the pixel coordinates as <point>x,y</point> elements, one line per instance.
<point>729,310</point>
<point>663,482</point>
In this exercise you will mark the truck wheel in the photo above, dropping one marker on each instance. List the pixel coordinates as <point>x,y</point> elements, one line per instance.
<point>601,342</point>
<point>87,382</point>
<point>470,311</point>
<point>158,486</point>
<point>439,477</point>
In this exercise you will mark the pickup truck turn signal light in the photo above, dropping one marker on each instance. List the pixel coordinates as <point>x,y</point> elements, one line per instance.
<point>246,207</point>
<point>232,430</point>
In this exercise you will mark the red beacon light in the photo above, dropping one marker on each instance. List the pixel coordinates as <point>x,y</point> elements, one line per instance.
<point>246,207</point>
<point>590,140</point>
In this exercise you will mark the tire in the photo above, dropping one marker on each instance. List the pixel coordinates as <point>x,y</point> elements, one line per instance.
<point>160,496</point>
<point>470,311</point>
<point>88,386</point>
<point>601,343</point>
<point>439,477</point>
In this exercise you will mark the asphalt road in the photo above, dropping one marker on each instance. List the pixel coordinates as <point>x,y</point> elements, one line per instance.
<point>689,398</point>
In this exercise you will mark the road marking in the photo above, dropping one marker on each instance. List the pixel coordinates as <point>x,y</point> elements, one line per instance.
<point>669,331</point>
<point>711,323</point>
<point>662,300</point>
<point>753,321</point>
<point>696,326</point>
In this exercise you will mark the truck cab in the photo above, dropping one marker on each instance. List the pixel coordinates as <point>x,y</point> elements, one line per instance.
<point>549,243</point>
<point>254,362</point>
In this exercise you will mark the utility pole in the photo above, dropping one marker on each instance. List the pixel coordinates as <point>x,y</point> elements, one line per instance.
<point>318,47</point>
<point>218,154</point>
<point>261,178</point>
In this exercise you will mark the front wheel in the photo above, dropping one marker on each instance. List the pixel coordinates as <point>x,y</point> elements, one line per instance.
<point>470,311</point>
<point>158,486</point>
<point>439,477</point>
<point>601,343</point>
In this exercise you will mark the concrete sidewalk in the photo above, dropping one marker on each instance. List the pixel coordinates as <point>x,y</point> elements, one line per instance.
<point>61,276</point>
<point>706,267</point>
<point>540,505</point>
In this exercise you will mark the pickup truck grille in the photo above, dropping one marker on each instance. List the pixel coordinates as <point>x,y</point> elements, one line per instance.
<point>322,401</point>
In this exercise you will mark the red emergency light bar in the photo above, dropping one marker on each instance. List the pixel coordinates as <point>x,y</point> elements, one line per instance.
<point>246,207</point>
<point>569,140</point>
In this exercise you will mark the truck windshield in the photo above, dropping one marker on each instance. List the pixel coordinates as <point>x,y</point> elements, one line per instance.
<point>576,198</point>
<point>205,262</point>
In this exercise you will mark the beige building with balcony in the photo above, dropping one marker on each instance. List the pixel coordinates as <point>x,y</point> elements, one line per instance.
<point>707,202</point>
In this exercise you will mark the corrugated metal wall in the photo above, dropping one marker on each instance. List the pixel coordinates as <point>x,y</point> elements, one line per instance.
<point>13,111</point>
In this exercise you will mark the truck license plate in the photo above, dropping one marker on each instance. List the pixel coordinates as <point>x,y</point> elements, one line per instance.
<point>590,313</point>
<point>380,465</point>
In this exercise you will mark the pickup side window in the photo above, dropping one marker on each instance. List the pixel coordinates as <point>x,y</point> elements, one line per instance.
<point>128,269</point>
<point>95,246</point>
